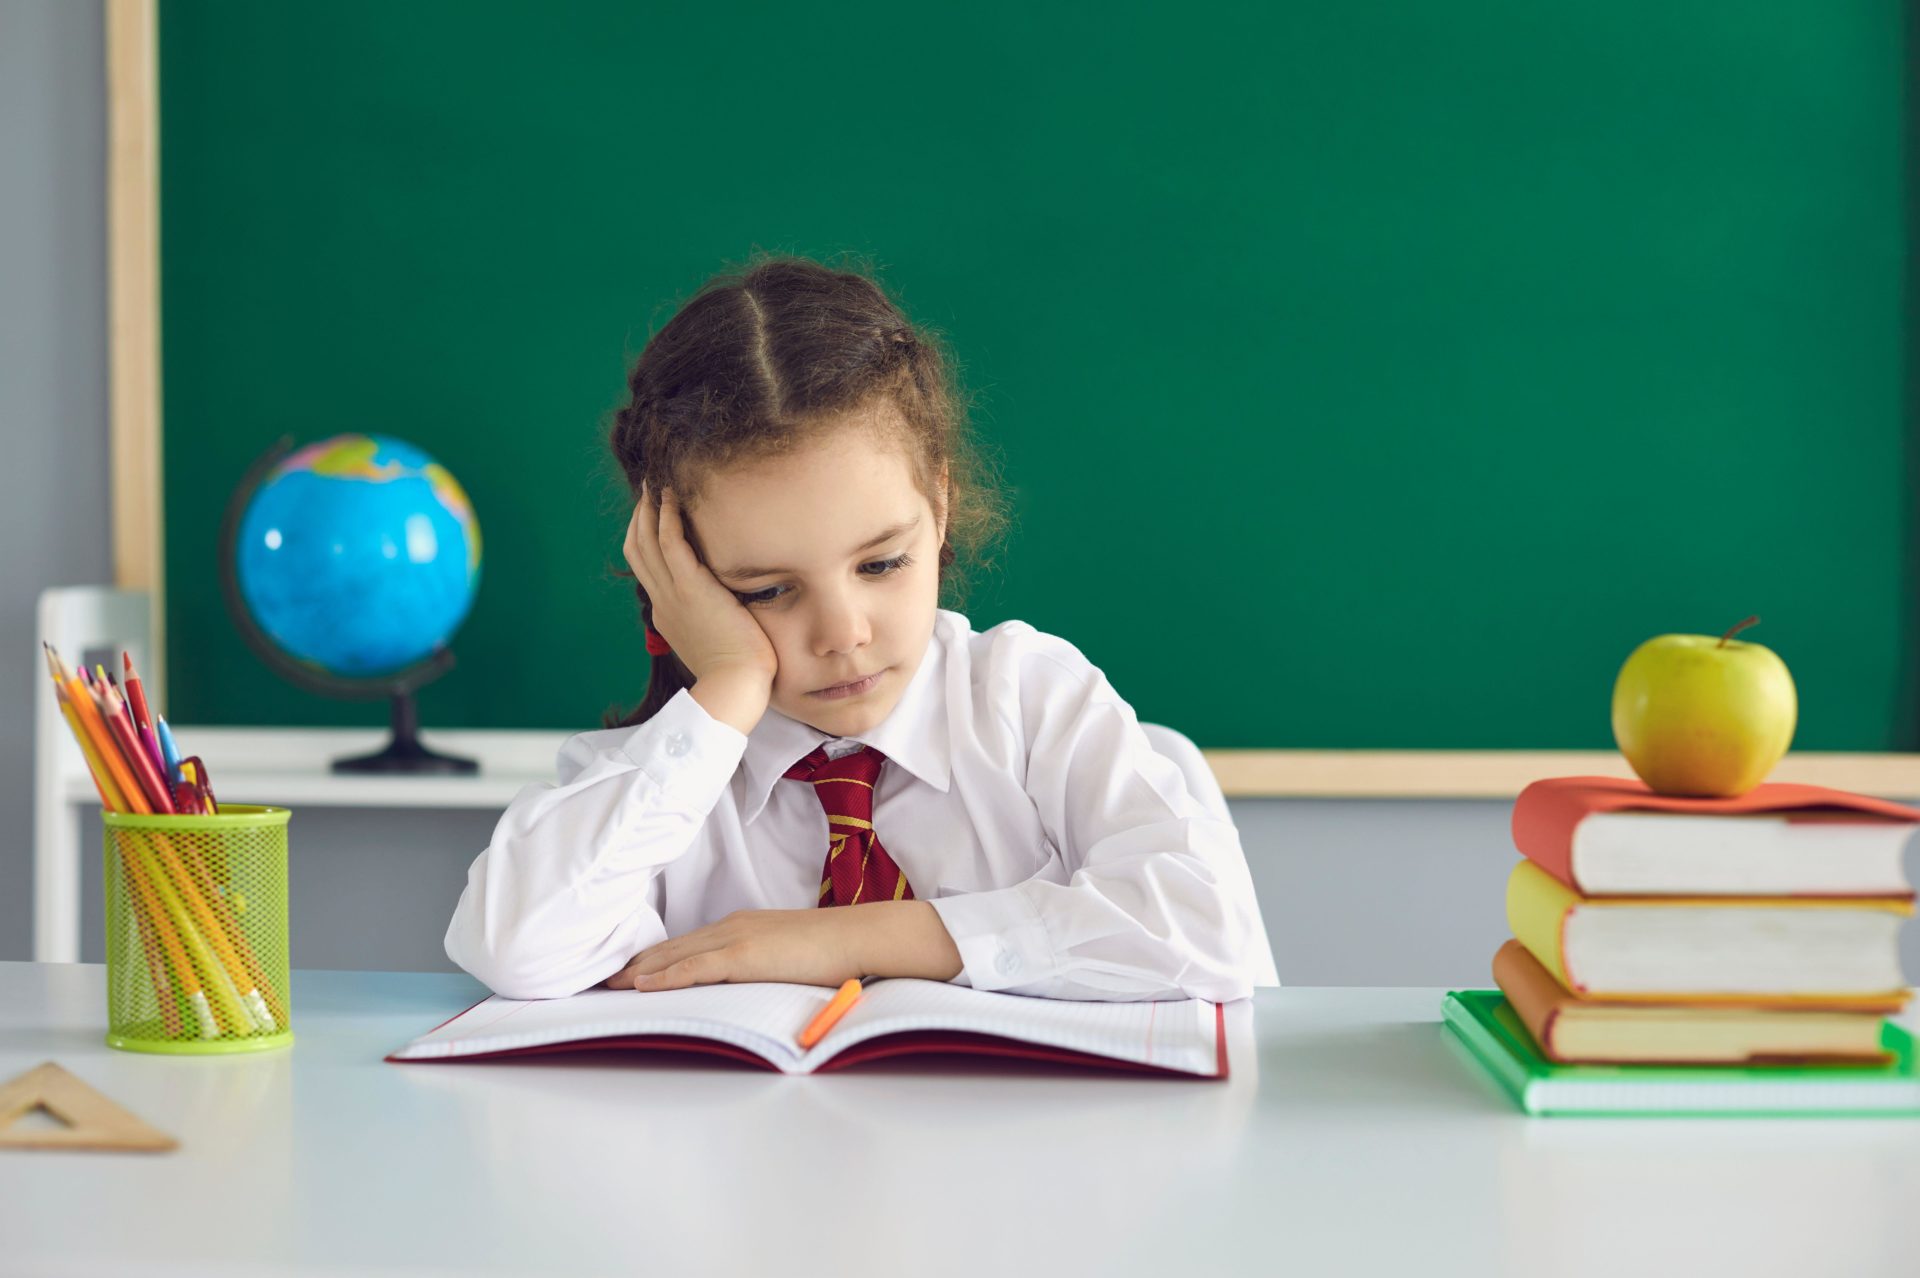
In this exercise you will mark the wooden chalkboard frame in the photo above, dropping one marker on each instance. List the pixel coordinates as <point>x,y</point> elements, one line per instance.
<point>135,370</point>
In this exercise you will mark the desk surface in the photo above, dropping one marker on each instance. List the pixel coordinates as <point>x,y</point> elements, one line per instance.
<point>1352,1138</point>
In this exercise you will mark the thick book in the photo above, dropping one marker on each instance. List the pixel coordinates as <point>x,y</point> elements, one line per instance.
<point>1493,1036</point>
<point>759,1023</point>
<point>1571,1030</point>
<point>1782,950</point>
<point>1605,836</point>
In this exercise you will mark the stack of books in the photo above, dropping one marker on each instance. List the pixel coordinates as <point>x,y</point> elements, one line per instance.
<point>1743,951</point>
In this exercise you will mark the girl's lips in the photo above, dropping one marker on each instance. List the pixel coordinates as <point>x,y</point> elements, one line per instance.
<point>849,689</point>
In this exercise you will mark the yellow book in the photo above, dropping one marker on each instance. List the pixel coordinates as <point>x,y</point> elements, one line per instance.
<point>1785,951</point>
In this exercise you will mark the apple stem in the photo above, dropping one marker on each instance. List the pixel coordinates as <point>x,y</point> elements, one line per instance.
<point>1750,621</point>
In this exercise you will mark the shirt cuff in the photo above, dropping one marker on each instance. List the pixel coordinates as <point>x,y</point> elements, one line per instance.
<point>686,752</point>
<point>1000,936</point>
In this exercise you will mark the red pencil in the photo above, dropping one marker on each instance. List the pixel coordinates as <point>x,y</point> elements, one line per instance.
<point>114,711</point>
<point>143,717</point>
<point>136,694</point>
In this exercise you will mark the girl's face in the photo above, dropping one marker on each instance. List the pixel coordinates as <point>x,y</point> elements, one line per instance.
<point>835,551</point>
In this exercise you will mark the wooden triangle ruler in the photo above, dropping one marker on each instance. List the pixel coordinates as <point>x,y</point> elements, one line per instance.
<point>93,1121</point>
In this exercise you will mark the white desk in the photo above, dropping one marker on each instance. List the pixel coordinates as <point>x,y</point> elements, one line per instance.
<point>1352,1139</point>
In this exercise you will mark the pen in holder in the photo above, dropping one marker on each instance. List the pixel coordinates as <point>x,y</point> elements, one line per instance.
<point>196,922</point>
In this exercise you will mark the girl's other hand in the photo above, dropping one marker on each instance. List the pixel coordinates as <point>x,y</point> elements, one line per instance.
<point>711,631</point>
<point>804,947</point>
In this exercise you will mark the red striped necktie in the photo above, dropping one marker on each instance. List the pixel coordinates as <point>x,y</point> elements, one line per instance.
<point>857,868</point>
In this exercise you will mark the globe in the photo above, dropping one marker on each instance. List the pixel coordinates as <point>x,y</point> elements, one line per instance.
<point>358,555</point>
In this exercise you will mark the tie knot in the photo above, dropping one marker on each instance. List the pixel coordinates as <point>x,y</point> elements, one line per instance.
<point>861,765</point>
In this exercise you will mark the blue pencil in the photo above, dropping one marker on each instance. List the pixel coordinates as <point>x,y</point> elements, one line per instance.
<point>168,749</point>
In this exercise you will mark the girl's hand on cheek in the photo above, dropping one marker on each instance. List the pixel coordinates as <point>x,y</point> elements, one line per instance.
<point>804,947</point>
<point>711,631</point>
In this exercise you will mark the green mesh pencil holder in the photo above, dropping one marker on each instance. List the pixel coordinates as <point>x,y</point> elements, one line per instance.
<point>197,931</point>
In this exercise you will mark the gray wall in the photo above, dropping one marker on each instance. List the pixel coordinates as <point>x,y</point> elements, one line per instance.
<point>1373,893</point>
<point>53,373</point>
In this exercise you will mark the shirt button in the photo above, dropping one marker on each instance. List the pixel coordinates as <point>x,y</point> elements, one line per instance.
<point>677,744</point>
<point>1007,964</point>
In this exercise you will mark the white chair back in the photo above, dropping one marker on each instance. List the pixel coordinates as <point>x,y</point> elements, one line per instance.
<point>1204,786</point>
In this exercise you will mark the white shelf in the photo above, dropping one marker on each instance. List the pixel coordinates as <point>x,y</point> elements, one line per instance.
<point>290,767</point>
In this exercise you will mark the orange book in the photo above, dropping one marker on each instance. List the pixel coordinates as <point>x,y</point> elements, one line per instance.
<point>1607,836</point>
<point>1585,1031</point>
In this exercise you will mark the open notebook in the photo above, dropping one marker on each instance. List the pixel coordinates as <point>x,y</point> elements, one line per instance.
<point>760,1023</point>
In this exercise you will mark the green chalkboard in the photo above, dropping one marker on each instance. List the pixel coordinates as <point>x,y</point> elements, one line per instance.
<point>1368,375</point>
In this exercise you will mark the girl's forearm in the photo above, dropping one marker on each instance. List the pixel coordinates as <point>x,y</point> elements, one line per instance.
<point>904,938</point>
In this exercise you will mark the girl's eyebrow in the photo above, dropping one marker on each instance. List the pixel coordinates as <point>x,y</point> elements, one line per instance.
<point>885,535</point>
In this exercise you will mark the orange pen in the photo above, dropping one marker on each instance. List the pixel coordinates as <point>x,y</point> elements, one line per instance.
<point>830,1015</point>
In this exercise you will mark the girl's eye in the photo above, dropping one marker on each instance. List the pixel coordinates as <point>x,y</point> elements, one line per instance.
<point>887,567</point>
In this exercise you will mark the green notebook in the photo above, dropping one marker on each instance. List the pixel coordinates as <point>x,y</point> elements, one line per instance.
<point>1496,1038</point>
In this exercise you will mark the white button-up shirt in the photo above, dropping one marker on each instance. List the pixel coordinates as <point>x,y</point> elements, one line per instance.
<point>1020,797</point>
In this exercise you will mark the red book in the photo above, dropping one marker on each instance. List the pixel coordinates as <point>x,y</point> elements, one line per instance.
<point>1608,836</point>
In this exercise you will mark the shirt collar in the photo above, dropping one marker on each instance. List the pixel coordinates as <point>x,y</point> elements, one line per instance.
<point>914,735</point>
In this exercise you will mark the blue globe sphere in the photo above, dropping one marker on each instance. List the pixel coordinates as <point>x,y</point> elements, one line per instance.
<point>359,555</point>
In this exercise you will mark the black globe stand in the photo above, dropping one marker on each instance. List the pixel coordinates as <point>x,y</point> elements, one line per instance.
<point>404,754</point>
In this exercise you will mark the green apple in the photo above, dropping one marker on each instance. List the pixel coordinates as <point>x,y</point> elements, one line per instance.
<point>1702,716</point>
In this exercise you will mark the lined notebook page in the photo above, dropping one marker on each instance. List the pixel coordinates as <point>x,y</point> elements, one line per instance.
<point>764,1018</point>
<point>1179,1034</point>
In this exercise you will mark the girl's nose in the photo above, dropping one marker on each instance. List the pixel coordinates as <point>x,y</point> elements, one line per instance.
<point>839,627</point>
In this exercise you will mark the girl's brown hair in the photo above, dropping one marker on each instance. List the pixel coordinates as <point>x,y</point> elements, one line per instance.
<point>765,355</point>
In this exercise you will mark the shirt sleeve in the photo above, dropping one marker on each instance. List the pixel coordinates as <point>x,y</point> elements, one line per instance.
<point>567,890</point>
<point>1151,909</point>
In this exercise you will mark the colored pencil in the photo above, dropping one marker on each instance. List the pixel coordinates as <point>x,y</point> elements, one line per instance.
<point>110,796</point>
<point>143,718</point>
<point>88,709</point>
<point>114,711</point>
<point>136,693</point>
